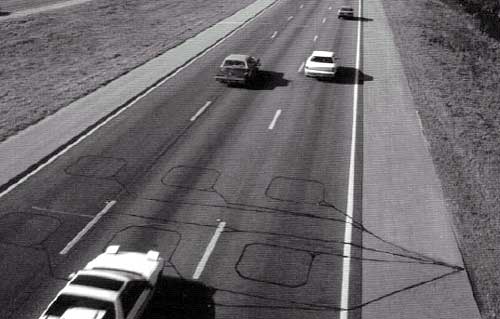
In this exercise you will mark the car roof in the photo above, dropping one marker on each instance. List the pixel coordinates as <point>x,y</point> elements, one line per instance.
<point>133,262</point>
<point>327,54</point>
<point>238,57</point>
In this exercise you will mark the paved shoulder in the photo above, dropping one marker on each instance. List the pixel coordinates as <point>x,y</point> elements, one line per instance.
<point>417,270</point>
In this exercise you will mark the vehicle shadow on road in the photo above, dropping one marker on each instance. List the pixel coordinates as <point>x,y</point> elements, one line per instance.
<point>268,80</point>
<point>362,19</point>
<point>4,13</point>
<point>347,75</point>
<point>181,298</point>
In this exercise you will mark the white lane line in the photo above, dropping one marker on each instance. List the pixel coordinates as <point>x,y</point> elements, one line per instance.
<point>301,67</point>
<point>323,21</point>
<point>201,110</point>
<point>273,122</point>
<point>45,210</point>
<point>275,33</point>
<point>315,38</point>
<point>290,18</point>
<point>346,265</point>
<point>301,6</point>
<point>419,121</point>
<point>132,103</point>
<point>87,228</point>
<point>209,250</point>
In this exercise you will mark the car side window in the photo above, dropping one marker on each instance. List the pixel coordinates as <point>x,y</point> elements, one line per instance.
<point>130,294</point>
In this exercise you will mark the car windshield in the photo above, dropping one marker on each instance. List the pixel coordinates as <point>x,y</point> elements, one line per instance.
<point>322,59</point>
<point>98,282</point>
<point>346,9</point>
<point>65,302</point>
<point>234,63</point>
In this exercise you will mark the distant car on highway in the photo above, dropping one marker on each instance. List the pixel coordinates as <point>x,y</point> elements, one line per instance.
<point>321,64</point>
<point>115,285</point>
<point>238,69</point>
<point>345,13</point>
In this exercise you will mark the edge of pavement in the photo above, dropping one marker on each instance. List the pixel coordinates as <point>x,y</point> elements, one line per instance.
<point>26,151</point>
<point>420,272</point>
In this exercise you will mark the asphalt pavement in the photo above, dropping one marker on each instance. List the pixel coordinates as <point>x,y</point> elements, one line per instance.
<point>244,191</point>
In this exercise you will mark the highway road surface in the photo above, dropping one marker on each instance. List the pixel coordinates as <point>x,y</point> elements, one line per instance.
<point>254,196</point>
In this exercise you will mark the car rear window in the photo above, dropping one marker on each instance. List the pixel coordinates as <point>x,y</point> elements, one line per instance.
<point>98,282</point>
<point>65,302</point>
<point>347,9</point>
<point>322,59</point>
<point>234,63</point>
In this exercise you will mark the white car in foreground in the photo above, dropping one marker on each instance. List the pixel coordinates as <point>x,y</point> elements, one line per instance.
<point>321,64</point>
<point>115,285</point>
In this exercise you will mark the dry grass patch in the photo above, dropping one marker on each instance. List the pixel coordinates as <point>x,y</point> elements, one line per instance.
<point>454,76</point>
<point>51,59</point>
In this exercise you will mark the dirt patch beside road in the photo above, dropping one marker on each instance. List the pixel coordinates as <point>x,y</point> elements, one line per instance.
<point>50,59</point>
<point>454,76</point>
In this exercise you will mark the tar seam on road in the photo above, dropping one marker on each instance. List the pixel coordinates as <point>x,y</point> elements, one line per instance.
<point>77,139</point>
<point>275,118</point>
<point>45,210</point>
<point>274,34</point>
<point>200,111</point>
<point>91,224</point>
<point>209,250</point>
<point>344,296</point>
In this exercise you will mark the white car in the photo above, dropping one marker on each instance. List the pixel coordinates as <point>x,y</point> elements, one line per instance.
<point>115,285</point>
<point>345,13</point>
<point>321,64</point>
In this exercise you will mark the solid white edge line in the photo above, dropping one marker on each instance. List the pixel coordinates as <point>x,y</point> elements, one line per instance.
<point>344,299</point>
<point>201,110</point>
<point>315,38</point>
<point>209,250</point>
<point>87,228</point>
<point>275,118</point>
<point>131,103</point>
<point>275,33</point>
<point>301,67</point>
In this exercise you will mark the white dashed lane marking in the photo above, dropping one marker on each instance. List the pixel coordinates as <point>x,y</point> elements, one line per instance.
<point>301,67</point>
<point>275,33</point>
<point>273,122</point>
<point>201,110</point>
<point>209,250</point>
<point>89,226</point>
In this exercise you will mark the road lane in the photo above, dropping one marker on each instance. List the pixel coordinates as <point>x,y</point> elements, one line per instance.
<point>281,193</point>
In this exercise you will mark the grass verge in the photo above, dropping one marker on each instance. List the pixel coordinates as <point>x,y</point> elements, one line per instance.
<point>454,74</point>
<point>50,59</point>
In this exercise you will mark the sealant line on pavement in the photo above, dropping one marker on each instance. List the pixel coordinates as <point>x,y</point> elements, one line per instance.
<point>273,122</point>
<point>87,228</point>
<point>60,212</point>
<point>209,250</point>
<point>201,110</point>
